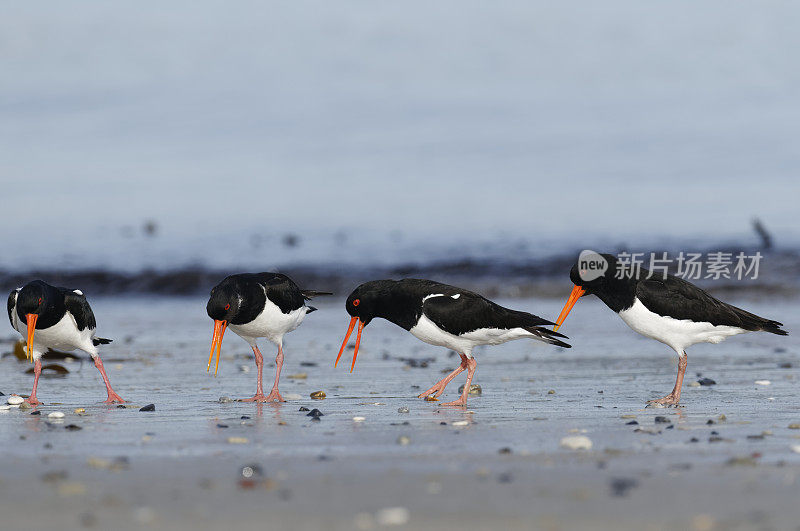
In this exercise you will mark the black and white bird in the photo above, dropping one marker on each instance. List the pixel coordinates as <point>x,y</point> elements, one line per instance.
<point>446,316</point>
<point>58,318</point>
<point>255,305</point>
<point>665,308</point>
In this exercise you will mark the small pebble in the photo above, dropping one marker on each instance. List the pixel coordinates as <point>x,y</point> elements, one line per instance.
<point>632,423</point>
<point>148,407</point>
<point>474,390</point>
<point>25,405</point>
<point>661,420</point>
<point>431,398</point>
<point>706,381</point>
<point>403,440</point>
<point>318,395</point>
<point>298,376</point>
<point>763,382</point>
<point>402,409</point>
<point>292,396</point>
<point>460,423</point>
<point>694,384</point>
<point>79,411</point>
<point>794,426</point>
<point>359,419</point>
<point>504,451</point>
<point>238,440</point>
<point>225,399</point>
<point>72,427</point>
<point>391,516</point>
<point>576,442</point>
<point>36,412</point>
<point>551,392</point>
<point>303,408</point>
<point>15,400</point>
<point>56,415</point>
<point>315,413</point>
<point>796,448</point>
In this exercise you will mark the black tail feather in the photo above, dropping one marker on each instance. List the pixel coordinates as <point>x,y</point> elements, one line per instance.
<point>101,341</point>
<point>309,294</point>
<point>548,336</point>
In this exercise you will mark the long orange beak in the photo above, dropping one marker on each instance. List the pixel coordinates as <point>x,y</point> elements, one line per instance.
<point>32,318</point>
<point>347,336</point>
<point>216,343</point>
<point>577,293</point>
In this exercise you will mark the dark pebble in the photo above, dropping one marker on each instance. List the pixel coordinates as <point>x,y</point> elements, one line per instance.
<point>303,408</point>
<point>632,423</point>
<point>694,439</point>
<point>245,417</point>
<point>714,433</point>
<point>785,365</point>
<point>706,381</point>
<point>505,450</point>
<point>621,486</point>
<point>315,413</point>
<point>505,477</point>
<point>710,422</point>
<point>120,406</point>
<point>222,425</point>
<point>661,420</point>
<point>755,437</point>
<point>715,438</point>
<point>671,426</point>
<point>148,407</point>
<point>2,393</point>
<point>72,427</point>
<point>36,412</point>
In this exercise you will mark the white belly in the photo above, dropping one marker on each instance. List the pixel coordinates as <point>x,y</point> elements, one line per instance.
<point>271,323</point>
<point>427,331</point>
<point>64,335</point>
<point>677,333</point>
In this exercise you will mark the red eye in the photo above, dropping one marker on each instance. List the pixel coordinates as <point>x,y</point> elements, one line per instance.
<point>356,302</point>
<point>227,307</point>
<point>40,300</point>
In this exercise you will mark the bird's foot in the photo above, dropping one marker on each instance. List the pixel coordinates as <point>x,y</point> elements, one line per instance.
<point>273,396</point>
<point>435,391</point>
<point>461,402</point>
<point>668,401</point>
<point>32,401</point>
<point>113,398</point>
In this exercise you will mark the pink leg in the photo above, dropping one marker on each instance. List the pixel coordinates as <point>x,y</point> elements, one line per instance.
<point>37,370</point>
<point>471,366</point>
<point>438,387</point>
<point>274,394</point>
<point>112,396</point>
<point>674,397</point>
<point>259,396</point>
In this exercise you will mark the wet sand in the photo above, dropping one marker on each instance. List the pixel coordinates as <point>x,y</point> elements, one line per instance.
<point>498,464</point>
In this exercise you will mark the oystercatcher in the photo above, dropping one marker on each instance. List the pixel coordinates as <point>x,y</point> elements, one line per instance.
<point>443,315</point>
<point>662,307</point>
<point>255,305</point>
<point>57,318</point>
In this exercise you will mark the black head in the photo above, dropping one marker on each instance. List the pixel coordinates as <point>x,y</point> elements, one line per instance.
<point>366,301</point>
<point>604,276</point>
<point>35,298</point>
<point>225,302</point>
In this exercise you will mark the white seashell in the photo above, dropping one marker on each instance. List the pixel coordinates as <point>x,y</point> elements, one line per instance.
<point>763,382</point>
<point>55,415</point>
<point>15,400</point>
<point>576,442</point>
<point>359,419</point>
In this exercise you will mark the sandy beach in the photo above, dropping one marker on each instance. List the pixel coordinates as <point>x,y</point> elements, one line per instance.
<point>722,461</point>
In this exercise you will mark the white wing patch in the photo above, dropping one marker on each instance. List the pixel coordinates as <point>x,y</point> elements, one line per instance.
<point>77,292</point>
<point>457,295</point>
<point>431,296</point>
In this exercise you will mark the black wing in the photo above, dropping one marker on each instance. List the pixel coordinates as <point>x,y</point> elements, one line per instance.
<point>12,304</point>
<point>78,306</point>
<point>282,291</point>
<point>679,299</point>
<point>465,311</point>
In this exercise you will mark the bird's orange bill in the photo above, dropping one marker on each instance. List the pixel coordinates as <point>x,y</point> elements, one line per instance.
<point>32,318</point>
<point>347,336</point>
<point>216,343</point>
<point>577,293</point>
